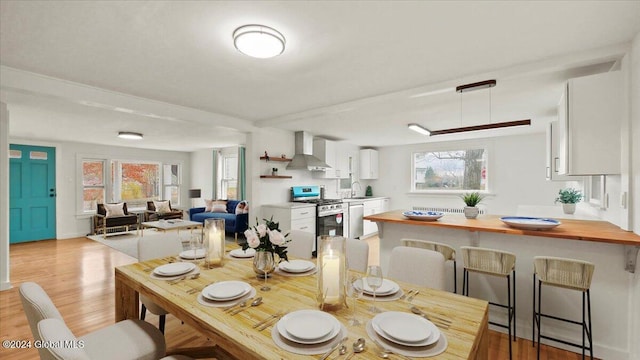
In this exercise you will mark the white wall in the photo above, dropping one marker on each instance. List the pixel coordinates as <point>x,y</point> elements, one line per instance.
<point>202,175</point>
<point>634,279</point>
<point>4,197</point>
<point>516,170</point>
<point>69,223</point>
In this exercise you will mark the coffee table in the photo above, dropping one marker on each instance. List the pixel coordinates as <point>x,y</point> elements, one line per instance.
<point>176,224</point>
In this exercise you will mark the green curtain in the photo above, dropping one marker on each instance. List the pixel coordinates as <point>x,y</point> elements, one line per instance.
<point>242,173</point>
<point>214,185</point>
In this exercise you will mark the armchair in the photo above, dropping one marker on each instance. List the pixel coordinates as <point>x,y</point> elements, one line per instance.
<point>102,222</point>
<point>153,214</point>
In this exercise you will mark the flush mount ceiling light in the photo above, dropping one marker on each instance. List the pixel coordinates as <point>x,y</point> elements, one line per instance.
<point>487,84</point>
<point>258,41</point>
<point>419,129</point>
<point>129,135</point>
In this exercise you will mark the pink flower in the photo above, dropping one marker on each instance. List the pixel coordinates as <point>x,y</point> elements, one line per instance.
<point>262,229</point>
<point>276,237</point>
<point>252,238</point>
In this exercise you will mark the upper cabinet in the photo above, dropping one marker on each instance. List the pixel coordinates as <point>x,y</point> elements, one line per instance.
<point>589,125</point>
<point>368,164</point>
<point>553,153</point>
<point>331,152</point>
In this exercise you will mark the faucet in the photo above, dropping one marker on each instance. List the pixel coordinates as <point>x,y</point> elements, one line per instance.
<point>353,191</point>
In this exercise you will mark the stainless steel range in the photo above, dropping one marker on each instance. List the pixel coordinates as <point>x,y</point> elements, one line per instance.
<point>329,212</point>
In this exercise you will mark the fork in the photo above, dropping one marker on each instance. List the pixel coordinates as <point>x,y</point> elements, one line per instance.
<point>175,281</point>
<point>267,322</point>
<point>410,298</point>
<point>407,294</point>
<point>385,350</point>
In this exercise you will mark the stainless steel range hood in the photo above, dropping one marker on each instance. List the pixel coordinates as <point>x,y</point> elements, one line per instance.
<point>303,158</point>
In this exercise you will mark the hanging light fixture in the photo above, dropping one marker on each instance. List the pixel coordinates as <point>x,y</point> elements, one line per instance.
<point>487,84</point>
<point>129,135</point>
<point>419,129</point>
<point>258,41</point>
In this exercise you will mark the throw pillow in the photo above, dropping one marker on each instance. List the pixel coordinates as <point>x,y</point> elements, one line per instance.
<point>219,206</point>
<point>162,206</point>
<point>242,208</point>
<point>114,209</point>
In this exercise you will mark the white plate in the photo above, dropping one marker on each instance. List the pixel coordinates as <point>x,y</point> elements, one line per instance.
<point>222,304</point>
<point>192,254</point>
<point>388,287</point>
<point>405,329</point>
<point>174,269</point>
<point>411,351</point>
<point>239,253</point>
<point>530,223</point>
<point>296,266</point>
<point>423,215</point>
<point>226,290</point>
<point>308,325</point>
<point>281,325</point>
<point>306,349</point>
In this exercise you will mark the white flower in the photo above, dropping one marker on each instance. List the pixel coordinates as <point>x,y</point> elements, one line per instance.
<point>252,238</point>
<point>262,230</point>
<point>276,237</point>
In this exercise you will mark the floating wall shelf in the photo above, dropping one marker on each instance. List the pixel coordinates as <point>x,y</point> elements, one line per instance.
<point>275,158</point>
<point>275,177</point>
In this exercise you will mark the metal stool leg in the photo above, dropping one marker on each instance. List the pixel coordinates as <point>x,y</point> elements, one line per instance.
<point>539,317</point>
<point>533,320</point>
<point>509,312</point>
<point>455,278</point>
<point>589,328</point>
<point>514,305</point>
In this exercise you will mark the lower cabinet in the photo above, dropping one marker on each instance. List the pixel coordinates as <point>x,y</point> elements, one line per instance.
<point>301,218</point>
<point>372,207</point>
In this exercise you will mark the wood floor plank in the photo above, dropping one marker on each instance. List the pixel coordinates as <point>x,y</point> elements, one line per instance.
<point>78,275</point>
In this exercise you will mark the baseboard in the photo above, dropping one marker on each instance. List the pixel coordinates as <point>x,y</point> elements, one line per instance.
<point>5,285</point>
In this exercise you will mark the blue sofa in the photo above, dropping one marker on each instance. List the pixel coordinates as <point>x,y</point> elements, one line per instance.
<point>236,224</point>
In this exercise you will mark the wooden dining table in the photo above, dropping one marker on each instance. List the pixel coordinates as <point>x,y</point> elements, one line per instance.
<point>467,335</point>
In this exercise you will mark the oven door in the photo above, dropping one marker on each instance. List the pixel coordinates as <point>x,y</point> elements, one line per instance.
<point>330,225</point>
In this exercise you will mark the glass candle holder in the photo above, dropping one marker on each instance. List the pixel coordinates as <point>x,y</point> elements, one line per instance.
<point>213,242</point>
<point>332,273</point>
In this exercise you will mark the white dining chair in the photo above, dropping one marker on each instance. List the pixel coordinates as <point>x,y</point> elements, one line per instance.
<point>301,244</point>
<point>128,339</point>
<point>357,254</point>
<point>153,247</point>
<point>417,266</point>
<point>447,251</point>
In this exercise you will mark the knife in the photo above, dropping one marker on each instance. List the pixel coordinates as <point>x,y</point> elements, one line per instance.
<point>267,319</point>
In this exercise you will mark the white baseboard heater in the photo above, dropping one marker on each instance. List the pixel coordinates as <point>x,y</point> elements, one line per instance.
<point>446,210</point>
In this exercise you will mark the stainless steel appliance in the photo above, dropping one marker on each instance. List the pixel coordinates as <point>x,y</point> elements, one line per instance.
<point>356,212</point>
<point>329,212</point>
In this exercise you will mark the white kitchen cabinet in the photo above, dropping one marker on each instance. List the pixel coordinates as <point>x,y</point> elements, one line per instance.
<point>371,207</point>
<point>590,121</point>
<point>552,170</point>
<point>292,217</point>
<point>368,164</point>
<point>332,153</point>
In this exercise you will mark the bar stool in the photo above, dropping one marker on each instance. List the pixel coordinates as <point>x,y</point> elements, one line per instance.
<point>495,263</point>
<point>447,251</point>
<point>569,274</point>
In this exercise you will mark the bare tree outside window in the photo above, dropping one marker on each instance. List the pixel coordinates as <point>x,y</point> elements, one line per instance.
<point>459,170</point>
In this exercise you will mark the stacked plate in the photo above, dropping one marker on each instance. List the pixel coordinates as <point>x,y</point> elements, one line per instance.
<point>297,267</point>
<point>307,332</point>
<point>225,293</point>
<point>172,270</point>
<point>407,334</point>
<point>243,254</point>
<point>388,291</point>
<point>192,254</point>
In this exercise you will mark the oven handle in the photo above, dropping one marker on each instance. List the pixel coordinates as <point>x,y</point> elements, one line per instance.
<point>341,211</point>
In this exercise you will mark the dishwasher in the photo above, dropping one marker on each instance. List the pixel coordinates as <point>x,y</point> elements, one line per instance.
<point>356,212</point>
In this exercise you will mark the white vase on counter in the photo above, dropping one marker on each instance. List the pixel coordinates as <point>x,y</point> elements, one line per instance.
<point>569,208</point>
<point>471,212</point>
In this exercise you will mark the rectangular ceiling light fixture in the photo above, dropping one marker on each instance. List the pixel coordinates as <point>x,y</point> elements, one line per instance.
<point>419,129</point>
<point>476,86</point>
<point>482,127</point>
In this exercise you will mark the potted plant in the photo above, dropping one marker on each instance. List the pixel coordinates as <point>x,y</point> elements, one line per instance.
<point>274,171</point>
<point>471,200</point>
<point>568,198</point>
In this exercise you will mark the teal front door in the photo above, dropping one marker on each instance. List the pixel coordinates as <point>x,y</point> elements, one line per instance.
<point>32,193</point>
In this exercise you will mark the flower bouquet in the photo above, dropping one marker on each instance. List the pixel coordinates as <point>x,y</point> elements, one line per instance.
<point>267,237</point>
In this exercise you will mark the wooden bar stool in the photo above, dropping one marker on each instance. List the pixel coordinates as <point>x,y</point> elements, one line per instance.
<point>447,251</point>
<point>495,263</point>
<point>569,274</point>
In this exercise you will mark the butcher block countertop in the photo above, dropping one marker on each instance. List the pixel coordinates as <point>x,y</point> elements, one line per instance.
<point>585,230</point>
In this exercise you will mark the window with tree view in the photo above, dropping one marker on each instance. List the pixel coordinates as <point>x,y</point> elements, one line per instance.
<point>455,170</point>
<point>135,182</point>
<point>93,187</point>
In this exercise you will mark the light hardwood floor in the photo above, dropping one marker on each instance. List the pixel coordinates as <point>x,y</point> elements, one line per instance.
<point>78,276</point>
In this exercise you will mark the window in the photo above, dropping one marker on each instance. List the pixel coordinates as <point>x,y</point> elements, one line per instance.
<point>93,187</point>
<point>229,176</point>
<point>171,182</point>
<point>455,170</point>
<point>135,183</point>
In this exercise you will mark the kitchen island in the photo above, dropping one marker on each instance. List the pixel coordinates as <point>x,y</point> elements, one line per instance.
<point>615,289</point>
